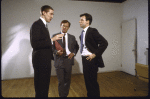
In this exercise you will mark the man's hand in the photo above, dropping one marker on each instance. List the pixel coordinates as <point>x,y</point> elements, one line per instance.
<point>57,37</point>
<point>90,57</point>
<point>59,52</point>
<point>70,55</point>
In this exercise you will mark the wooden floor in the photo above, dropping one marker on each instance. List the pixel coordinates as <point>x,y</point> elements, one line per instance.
<point>112,84</point>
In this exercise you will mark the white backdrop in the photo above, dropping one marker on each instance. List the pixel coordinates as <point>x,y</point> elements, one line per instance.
<point>17,17</point>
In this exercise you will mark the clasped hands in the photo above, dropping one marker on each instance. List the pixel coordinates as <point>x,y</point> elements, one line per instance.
<point>60,53</point>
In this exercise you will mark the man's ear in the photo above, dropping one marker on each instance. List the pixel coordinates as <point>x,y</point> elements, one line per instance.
<point>61,25</point>
<point>43,12</point>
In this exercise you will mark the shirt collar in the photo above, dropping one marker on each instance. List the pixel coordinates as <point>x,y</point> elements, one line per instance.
<point>43,20</point>
<point>63,33</point>
<point>86,29</point>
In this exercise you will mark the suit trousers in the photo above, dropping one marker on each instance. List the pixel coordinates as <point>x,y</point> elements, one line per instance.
<point>42,73</point>
<point>64,77</point>
<point>90,70</point>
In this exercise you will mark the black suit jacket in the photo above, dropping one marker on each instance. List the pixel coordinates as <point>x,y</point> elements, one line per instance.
<point>40,41</point>
<point>96,44</point>
<point>72,46</point>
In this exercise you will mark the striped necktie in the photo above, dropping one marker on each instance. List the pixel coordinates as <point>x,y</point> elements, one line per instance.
<point>81,42</point>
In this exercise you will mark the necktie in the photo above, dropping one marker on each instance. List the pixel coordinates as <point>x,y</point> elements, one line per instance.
<point>46,26</point>
<point>81,42</point>
<point>64,45</point>
<point>47,29</point>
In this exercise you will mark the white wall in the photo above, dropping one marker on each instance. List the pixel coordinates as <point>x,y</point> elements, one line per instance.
<point>138,9</point>
<point>18,16</point>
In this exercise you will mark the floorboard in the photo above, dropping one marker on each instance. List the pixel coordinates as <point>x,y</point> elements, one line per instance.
<point>112,84</point>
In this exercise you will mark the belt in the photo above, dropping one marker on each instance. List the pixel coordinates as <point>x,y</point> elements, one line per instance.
<point>84,56</point>
<point>65,56</point>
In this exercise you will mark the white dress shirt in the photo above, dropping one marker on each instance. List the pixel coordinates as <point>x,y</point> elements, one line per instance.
<point>85,51</point>
<point>43,21</point>
<point>66,41</point>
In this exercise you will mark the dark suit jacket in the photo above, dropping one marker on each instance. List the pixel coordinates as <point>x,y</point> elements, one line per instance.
<point>40,41</point>
<point>72,46</point>
<point>96,44</point>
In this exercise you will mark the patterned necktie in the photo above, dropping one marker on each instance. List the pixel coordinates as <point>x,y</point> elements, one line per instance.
<point>64,44</point>
<point>81,42</point>
<point>46,27</point>
<point>47,30</point>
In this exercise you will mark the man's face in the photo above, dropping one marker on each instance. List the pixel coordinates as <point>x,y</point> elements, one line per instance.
<point>48,15</point>
<point>83,22</point>
<point>64,27</point>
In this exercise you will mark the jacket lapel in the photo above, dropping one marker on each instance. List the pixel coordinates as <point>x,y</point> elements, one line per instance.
<point>80,37</point>
<point>43,25</point>
<point>69,39</point>
<point>87,32</point>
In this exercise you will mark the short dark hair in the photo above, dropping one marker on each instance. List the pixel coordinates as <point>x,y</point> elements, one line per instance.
<point>88,17</point>
<point>46,8</point>
<point>65,21</point>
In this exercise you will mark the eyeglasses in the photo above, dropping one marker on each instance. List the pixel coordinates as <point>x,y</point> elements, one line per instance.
<point>65,26</point>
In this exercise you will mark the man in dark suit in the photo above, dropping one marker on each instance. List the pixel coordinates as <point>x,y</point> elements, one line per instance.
<point>93,45</point>
<point>64,59</point>
<point>42,51</point>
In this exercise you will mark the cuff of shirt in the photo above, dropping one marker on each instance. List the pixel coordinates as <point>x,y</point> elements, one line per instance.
<point>51,41</point>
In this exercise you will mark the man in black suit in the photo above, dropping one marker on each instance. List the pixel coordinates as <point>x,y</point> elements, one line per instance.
<point>42,51</point>
<point>93,45</point>
<point>64,59</point>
